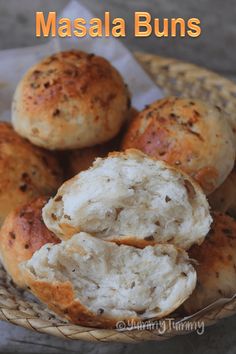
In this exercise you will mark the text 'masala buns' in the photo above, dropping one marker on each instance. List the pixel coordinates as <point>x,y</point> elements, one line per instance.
<point>97,283</point>
<point>26,171</point>
<point>187,133</point>
<point>70,100</point>
<point>131,198</point>
<point>23,233</point>
<point>216,264</point>
<point>223,199</point>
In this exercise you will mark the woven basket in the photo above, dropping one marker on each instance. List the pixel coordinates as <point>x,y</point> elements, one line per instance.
<point>175,78</point>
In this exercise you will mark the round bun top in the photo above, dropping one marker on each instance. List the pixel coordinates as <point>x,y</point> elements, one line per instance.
<point>186,133</point>
<point>70,100</point>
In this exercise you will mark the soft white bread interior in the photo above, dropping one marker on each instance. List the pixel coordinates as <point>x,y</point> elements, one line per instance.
<point>96,283</point>
<point>131,198</point>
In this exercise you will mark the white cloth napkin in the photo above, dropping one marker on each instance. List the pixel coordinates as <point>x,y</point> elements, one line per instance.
<point>14,63</point>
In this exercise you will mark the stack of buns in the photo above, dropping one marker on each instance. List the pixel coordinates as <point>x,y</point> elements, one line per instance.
<point>128,237</point>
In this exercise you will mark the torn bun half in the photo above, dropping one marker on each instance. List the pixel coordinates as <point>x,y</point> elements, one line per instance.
<point>131,198</point>
<point>97,283</point>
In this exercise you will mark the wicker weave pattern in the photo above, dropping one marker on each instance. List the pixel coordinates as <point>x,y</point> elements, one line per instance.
<point>176,78</point>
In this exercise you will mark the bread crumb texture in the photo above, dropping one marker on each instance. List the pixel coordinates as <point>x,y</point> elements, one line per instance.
<point>96,283</point>
<point>131,197</point>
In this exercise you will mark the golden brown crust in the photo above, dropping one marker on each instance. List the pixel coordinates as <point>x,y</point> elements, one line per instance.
<point>138,243</point>
<point>133,241</point>
<point>23,233</point>
<point>26,171</point>
<point>61,298</point>
<point>216,264</point>
<point>223,199</point>
<point>79,160</point>
<point>185,133</point>
<point>70,100</point>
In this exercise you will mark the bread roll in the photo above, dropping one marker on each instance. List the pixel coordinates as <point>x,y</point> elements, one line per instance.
<point>216,264</point>
<point>26,171</point>
<point>224,198</point>
<point>131,198</point>
<point>78,160</point>
<point>97,283</point>
<point>23,233</point>
<point>186,133</point>
<point>70,100</point>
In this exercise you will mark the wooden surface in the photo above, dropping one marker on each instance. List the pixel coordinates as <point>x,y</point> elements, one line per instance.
<point>214,49</point>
